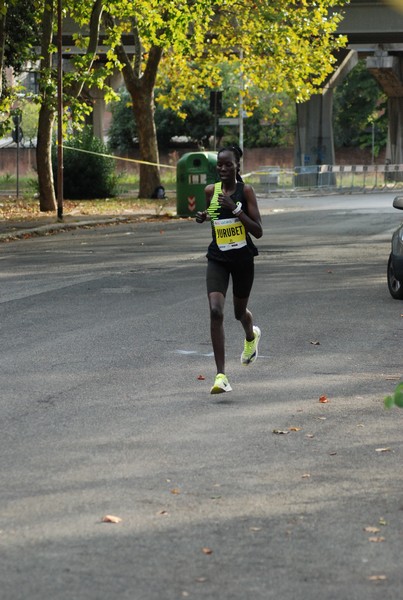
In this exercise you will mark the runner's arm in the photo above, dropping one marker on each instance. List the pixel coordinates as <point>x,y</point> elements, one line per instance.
<point>202,215</point>
<point>251,221</point>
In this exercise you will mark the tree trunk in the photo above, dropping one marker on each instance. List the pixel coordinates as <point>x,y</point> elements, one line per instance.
<point>141,89</point>
<point>47,198</point>
<point>143,109</point>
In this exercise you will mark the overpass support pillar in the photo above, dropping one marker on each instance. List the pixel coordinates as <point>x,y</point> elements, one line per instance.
<point>387,70</point>
<point>97,119</point>
<point>98,115</point>
<point>394,148</point>
<point>314,144</point>
<point>314,138</point>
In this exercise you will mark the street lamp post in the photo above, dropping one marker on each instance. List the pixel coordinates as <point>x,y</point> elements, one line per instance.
<point>241,110</point>
<point>373,142</point>
<point>59,112</point>
<point>17,137</point>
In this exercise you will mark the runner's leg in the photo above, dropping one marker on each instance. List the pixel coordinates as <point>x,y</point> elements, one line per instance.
<point>217,301</point>
<point>242,282</point>
<point>217,284</point>
<point>244,315</point>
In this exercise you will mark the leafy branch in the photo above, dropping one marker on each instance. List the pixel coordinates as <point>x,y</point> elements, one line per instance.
<point>396,399</point>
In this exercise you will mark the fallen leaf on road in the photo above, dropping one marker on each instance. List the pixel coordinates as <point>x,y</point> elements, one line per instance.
<point>323,399</point>
<point>377,577</point>
<point>280,431</point>
<point>314,343</point>
<point>382,449</point>
<point>255,529</point>
<point>162,512</point>
<point>294,428</point>
<point>111,519</point>
<point>175,491</point>
<point>332,453</point>
<point>371,529</point>
<point>309,435</point>
<point>201,579</point>
<point>382,521</point>
<point>376,539</point>
<point>207,551</point>
<point>306,476</point>
<point>201,378</point>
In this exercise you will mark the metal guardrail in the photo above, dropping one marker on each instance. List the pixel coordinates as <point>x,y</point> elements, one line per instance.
<point>341,179</point>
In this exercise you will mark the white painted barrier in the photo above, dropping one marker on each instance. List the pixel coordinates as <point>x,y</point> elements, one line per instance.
<point>327,178</point>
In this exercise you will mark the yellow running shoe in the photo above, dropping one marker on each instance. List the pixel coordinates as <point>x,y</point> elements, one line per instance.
<point>250,354</point>
<point>221,384</point>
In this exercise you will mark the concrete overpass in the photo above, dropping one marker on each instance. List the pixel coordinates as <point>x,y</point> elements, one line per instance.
<point>375,32</point>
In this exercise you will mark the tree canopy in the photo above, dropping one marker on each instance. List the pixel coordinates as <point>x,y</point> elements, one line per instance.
<point>281,46</point>
<point>18,35</point>
<point>285,46</point>
<point>263,128</point>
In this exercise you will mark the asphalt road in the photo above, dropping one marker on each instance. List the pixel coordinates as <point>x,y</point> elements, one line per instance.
<point>263,493</point>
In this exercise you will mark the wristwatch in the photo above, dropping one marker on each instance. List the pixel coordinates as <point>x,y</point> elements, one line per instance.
<point>237,209</point>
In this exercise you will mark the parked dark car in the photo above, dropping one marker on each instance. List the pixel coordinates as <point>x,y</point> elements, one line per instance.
<point>395,262</point>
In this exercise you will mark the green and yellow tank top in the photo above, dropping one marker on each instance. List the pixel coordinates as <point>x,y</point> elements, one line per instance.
<point>228,231</point>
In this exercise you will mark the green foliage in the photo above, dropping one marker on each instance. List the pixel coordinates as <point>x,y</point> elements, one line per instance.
<point>168,124</point>
<point>197,123</point>
<point>18,38</point>
<point>22,33</point>
<point>275,46</point>
<point>6,101</point>
<point>122,131</point>
<point>396,399</point>
<point>87,174</point>
<point>29,121</point>
<point>360,108</point>
<point>263,128</point>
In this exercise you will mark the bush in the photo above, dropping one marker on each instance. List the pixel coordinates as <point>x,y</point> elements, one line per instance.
<point>86,175</point>
<point>396,399</point>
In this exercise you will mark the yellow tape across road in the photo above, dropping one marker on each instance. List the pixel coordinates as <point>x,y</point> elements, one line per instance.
<point>143,162</point>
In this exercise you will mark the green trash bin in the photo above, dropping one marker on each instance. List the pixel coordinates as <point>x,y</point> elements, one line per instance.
<point>194,171</point>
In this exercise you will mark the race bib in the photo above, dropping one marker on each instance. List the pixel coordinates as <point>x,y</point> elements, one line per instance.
<point>230,234</point>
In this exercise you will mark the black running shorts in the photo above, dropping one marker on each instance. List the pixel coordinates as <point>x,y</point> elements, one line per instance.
<point>218,274</point>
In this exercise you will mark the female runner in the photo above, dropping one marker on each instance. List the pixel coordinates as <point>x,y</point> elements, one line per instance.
<point>232,208</point>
